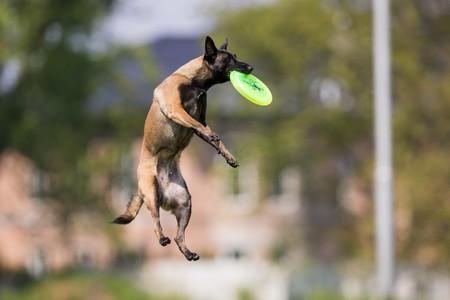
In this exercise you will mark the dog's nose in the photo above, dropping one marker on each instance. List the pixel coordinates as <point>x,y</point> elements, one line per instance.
<point>249,68</point>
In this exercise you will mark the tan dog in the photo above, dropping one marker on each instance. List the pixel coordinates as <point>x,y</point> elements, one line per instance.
<point>177,112</point>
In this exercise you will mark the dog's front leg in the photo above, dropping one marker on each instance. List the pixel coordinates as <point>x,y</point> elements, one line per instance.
<point>175,112</point>
<point>222,150</point>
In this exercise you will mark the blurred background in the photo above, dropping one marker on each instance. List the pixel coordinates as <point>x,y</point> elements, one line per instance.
<point>294,221</point>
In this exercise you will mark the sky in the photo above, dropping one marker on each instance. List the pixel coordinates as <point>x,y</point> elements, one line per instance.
<point>135,22</point>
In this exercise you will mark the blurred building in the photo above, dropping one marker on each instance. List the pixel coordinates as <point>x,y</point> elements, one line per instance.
<point>229,227</point>
<point>33,238</point>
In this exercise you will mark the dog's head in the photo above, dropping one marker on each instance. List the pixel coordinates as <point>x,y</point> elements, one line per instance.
<point>222,62</point>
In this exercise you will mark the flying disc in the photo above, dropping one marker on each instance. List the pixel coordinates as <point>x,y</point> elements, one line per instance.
<point>251,88</point>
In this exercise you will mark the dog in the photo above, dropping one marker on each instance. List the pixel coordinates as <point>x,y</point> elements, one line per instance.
<point>177,112</point>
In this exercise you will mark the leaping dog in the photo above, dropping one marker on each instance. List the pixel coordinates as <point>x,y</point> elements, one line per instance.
<point>177,112</point>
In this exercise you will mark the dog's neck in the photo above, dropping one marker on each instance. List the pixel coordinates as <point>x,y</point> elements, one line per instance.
<point>198,73</point>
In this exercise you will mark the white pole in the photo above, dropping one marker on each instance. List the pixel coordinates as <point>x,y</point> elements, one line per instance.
<point>383,149</point>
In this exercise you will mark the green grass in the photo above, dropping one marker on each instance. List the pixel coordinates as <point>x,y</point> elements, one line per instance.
<point>81,286</point>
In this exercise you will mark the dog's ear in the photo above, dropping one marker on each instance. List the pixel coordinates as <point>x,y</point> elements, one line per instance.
<point>224,45</point>
<point>210,50</point>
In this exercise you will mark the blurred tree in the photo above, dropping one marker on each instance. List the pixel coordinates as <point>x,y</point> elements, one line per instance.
<point>45,112</point>
<point>422,129</point>
<point>317,58</point>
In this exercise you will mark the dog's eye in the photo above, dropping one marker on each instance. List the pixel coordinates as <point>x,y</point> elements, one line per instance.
<point>234,55</point>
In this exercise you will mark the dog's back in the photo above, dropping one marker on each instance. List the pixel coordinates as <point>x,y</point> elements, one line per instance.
<point>163,134</point>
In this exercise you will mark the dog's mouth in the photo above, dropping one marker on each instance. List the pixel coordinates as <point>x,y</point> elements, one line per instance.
<point>244,69</point>
<point>247,69</point>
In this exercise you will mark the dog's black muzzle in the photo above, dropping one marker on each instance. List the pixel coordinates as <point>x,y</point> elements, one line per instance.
<point>244,68</point>
<point>240,67</point>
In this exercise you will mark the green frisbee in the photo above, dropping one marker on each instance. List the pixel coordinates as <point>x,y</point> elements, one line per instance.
<point>251,88</point>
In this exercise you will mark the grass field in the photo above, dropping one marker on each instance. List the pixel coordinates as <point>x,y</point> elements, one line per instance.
<point>81,286</point>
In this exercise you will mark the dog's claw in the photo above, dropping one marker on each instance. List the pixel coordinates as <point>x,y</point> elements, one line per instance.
<point>164,241</point>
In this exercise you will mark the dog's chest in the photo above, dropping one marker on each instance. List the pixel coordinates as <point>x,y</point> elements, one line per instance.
<point>193,102</point>
<point>192,108</point>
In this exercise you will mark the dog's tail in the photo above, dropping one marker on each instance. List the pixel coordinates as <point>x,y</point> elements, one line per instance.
<point>132,210</point>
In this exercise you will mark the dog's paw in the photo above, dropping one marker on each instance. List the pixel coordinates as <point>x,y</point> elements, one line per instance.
<point>232,162</point>
<point>191,256</point>
<point>164,241</point>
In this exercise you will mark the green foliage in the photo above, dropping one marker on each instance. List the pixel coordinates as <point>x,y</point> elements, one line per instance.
<point>422,131</point>
<point>299,47</point>
<point>245,294</point>
<point>47,115</point>
<point>305,51</point>
<point>82,286</point>
<point>324,295</point>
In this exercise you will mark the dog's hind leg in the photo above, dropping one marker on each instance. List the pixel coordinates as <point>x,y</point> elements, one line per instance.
<point>149,189</point>
<point>179,199</point>
<point>183,214</point>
